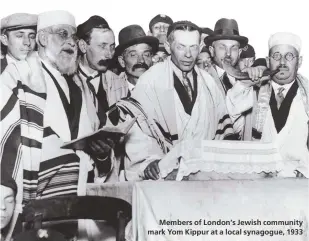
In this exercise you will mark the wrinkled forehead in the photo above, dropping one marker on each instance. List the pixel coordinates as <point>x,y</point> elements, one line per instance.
<point>203,55</point>
<point>142,47</point>
<point>226,43</point>
<point>187,38</point>
<point>64,27</point>
<point>22,30</point>
<point>283,49</point>
<point>159,24</point>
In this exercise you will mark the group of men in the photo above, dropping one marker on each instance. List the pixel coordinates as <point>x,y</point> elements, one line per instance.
<point>58,83</point>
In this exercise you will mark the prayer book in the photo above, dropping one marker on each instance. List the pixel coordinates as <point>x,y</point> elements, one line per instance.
<point>108,131</point>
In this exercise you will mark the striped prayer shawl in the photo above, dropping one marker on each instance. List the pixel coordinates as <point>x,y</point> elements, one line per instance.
<point>29,150</point>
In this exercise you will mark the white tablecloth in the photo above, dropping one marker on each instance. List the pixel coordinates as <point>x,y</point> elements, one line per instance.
<point>230,200</point>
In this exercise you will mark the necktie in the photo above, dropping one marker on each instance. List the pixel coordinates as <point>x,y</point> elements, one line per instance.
<point>187,84</point>
<point>279,97</point>
<point>92,89</point>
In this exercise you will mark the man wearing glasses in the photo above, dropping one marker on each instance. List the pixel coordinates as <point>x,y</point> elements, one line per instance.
<point>281,109</point>
<point>45,104</point>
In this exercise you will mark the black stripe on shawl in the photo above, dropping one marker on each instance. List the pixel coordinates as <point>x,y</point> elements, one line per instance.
<point>220,132</point>
<point>48,131</point>
<point>224,118</point>
<point>31,142</point>
<point>256,134</point>
<point>60,160</point>
<point>8,107</point>
<point>10,150</point>
<point>30,176</point>
<point>31,115</point>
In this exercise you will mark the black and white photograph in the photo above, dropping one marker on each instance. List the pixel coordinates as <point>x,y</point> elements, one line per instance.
<point>154,120</point>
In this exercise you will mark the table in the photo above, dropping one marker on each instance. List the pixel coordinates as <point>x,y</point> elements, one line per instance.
<point>264,199</point>
<point>228,200</point>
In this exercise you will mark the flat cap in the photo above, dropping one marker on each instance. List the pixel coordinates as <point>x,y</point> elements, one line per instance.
<point>247,52</point>
<point>160,18</point>
<point>92,22</point>
<point>180,24</point>
<point>18,21</point>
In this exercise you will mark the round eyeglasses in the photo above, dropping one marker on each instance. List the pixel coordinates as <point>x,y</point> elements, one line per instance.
<point>288,56</point>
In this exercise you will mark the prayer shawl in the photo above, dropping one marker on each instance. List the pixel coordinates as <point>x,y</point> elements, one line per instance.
<point>34,126</point>
<point>292,140</point>
<point>156,94</point>
<point>114,86</point>
<point>3,64</point>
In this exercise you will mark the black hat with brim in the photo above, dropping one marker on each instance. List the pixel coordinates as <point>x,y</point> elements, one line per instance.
<point>226,29</point>
<point>132,35</point>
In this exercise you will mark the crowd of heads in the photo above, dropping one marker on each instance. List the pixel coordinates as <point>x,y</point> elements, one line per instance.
<point>57,39</point>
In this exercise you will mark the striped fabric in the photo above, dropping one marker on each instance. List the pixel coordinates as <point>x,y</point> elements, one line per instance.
<point>29,150</point>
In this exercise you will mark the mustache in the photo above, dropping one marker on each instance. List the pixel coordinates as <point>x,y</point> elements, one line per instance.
<point>140,66</point>
<point>283,66</point>
<point>104,62</point>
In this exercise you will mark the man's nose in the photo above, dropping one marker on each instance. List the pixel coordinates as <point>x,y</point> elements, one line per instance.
<point>2,206</point>
<point>109,54</point>
<point>282,60</point>
<point>26,41</point>
<point>141,59</point>
<point>228,52</point>
<point>188,53</point>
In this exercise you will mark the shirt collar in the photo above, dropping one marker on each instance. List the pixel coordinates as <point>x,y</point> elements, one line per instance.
<point>286,87</point>
<point>94,74</point>
<point>125,77</point>
<point>178,72</point>
<point>10,59</point>
<point>220,71</point>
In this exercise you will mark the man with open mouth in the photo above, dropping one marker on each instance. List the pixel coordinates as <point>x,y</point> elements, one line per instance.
<point>44,105</point>
<point>18,33</point>
<point>281,109</point>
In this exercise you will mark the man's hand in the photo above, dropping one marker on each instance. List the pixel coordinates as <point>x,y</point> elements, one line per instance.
<point>255,75</point>
<point>152,171</point>
<point>101,148</point>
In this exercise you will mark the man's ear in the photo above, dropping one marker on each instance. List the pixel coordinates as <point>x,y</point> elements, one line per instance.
<point>121,61</point>
<point>239,52</point>
<point>42,38</point>
<point>82,46</point>
<point>4,39</point>
<point>167,47</point>
<point>212,51</point>
<point>300,61</point>
<point>267,62</point>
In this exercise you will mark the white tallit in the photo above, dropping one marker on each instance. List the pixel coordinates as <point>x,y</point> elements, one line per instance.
<point>156,93</point>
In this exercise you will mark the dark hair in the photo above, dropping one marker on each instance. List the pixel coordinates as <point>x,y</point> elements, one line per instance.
<point>87,36</point>
<point>188,28</point>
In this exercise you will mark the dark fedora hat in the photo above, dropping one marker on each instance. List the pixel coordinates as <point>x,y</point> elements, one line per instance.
<point>134,34</point>
<point>226,29</point>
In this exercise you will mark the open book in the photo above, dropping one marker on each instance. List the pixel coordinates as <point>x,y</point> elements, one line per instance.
<point>108,131</point>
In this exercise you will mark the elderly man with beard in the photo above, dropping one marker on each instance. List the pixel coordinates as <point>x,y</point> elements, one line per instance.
<point>280,106</point>
<point>135,52</point>
<point>44,104</point>
<point>17,37</point>
<point>174,101</point>
<point>226,44</point>
<point>97,45</point>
